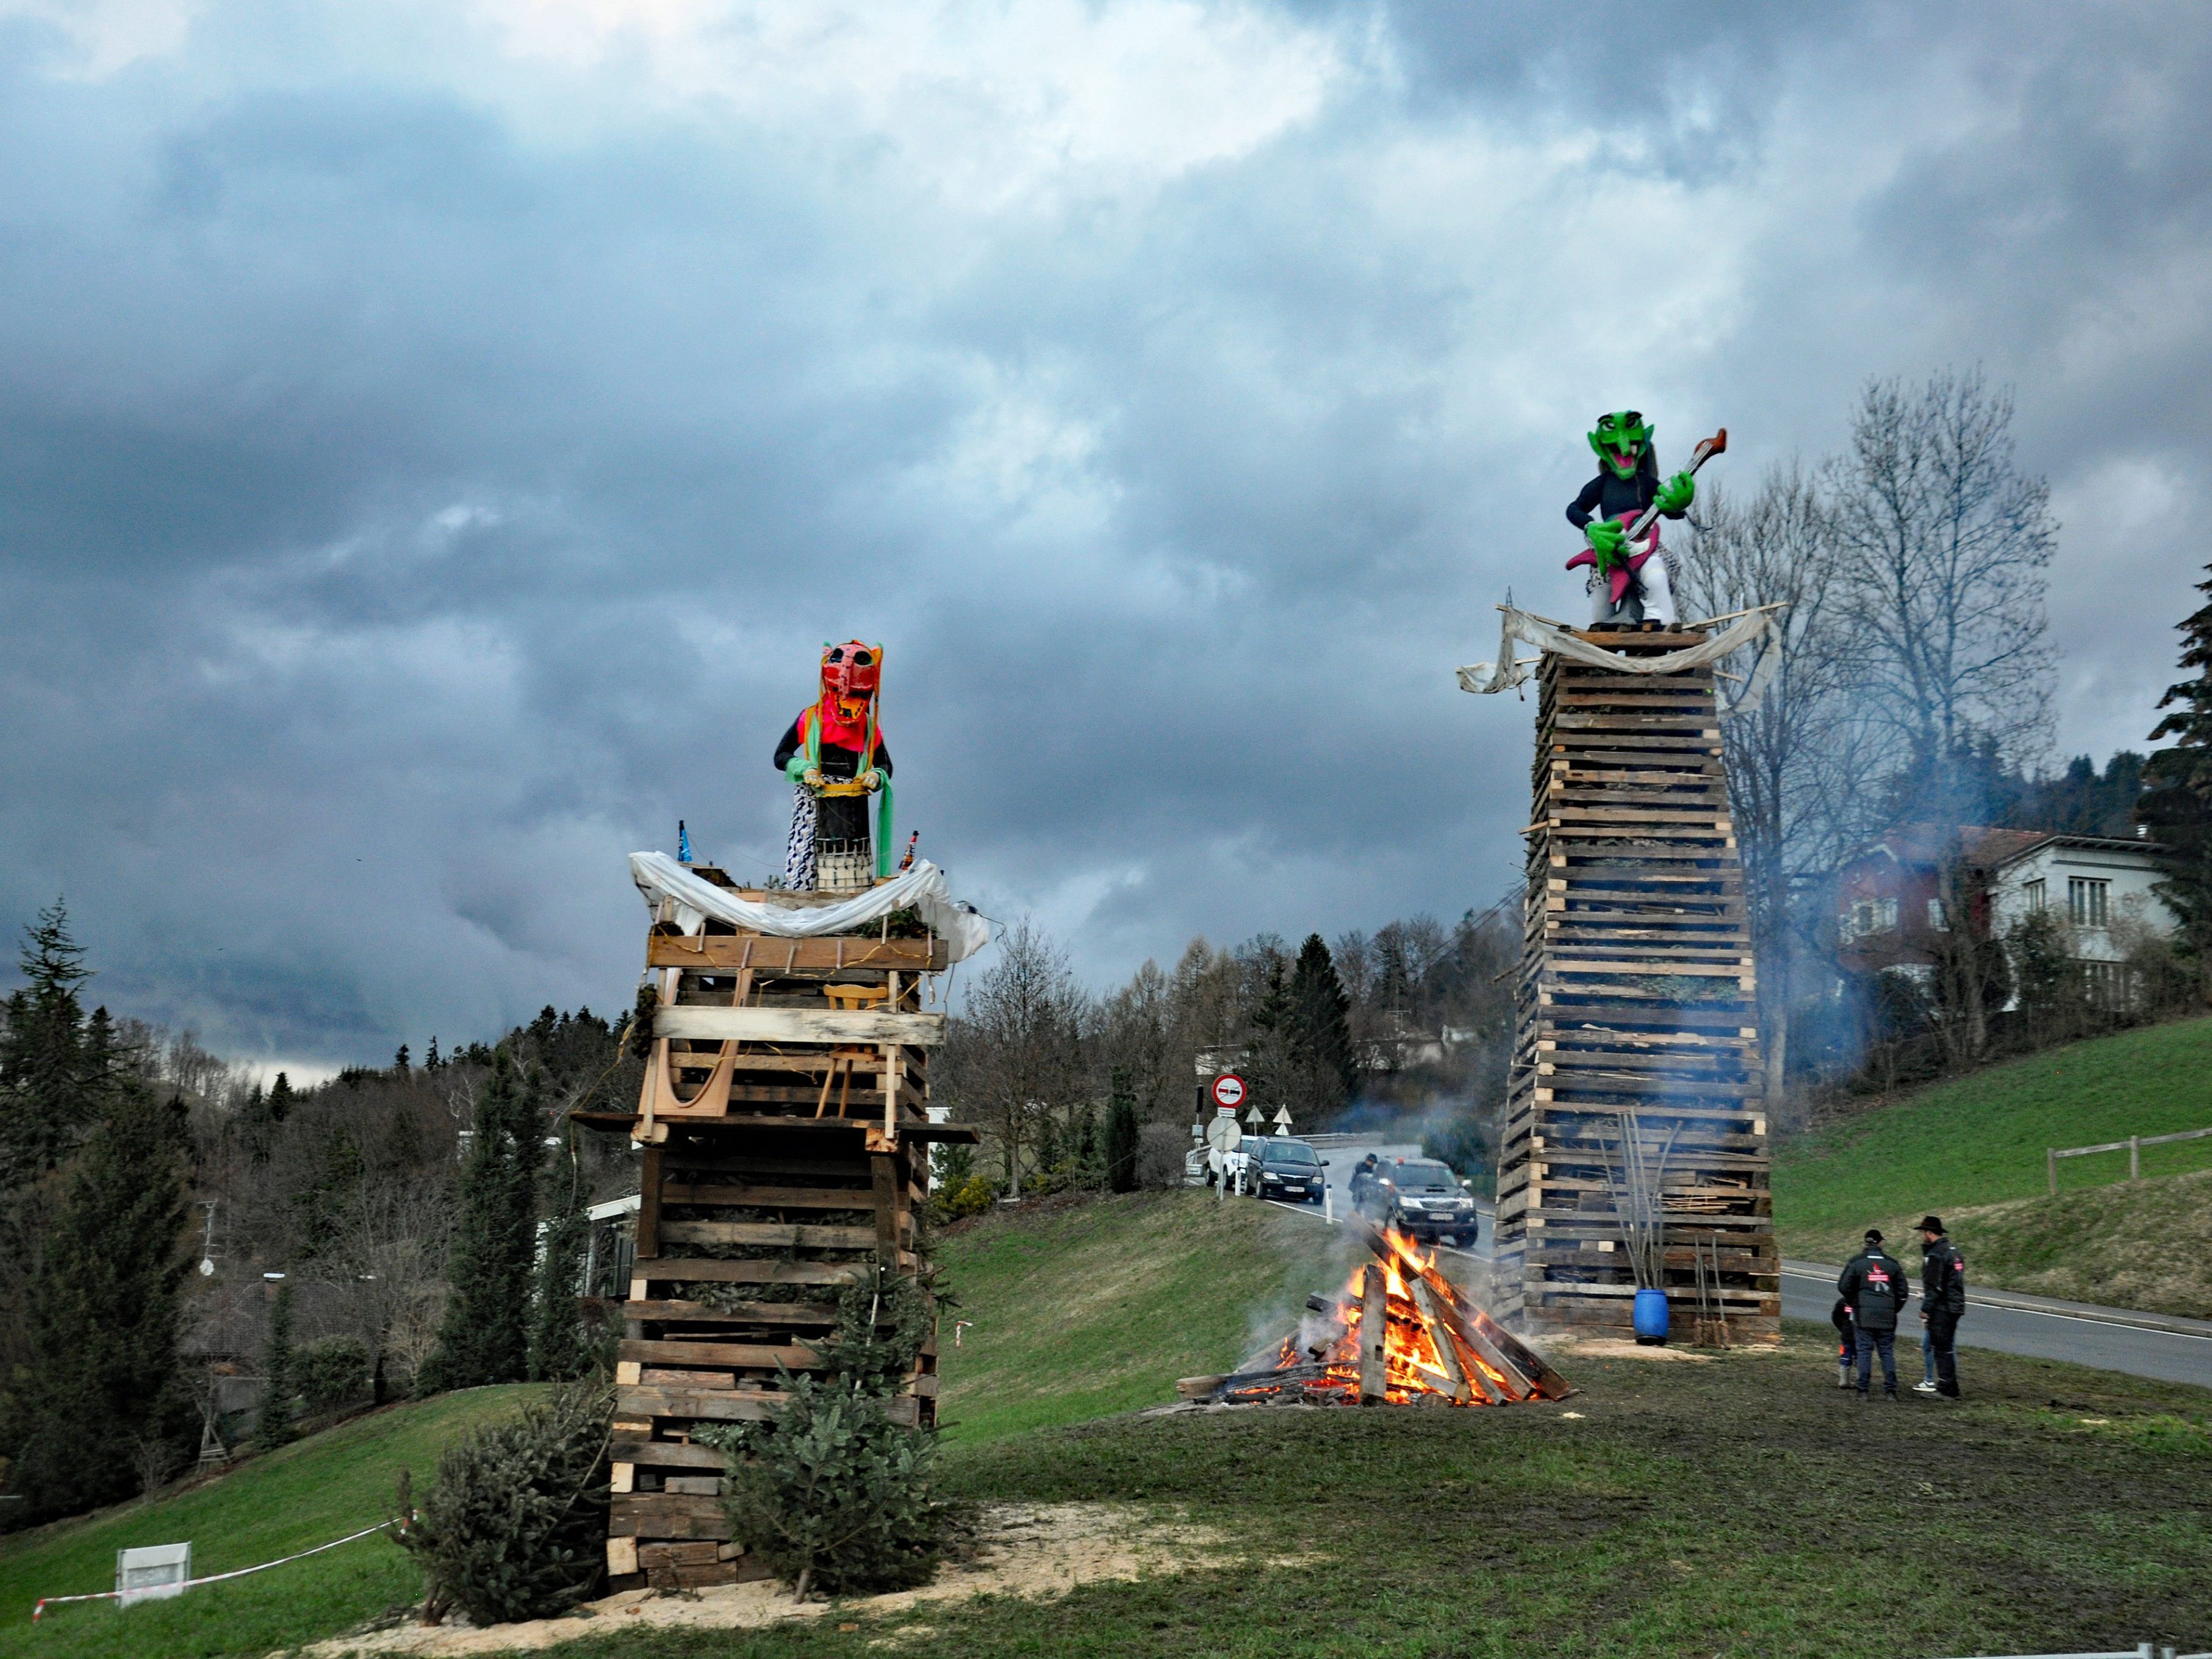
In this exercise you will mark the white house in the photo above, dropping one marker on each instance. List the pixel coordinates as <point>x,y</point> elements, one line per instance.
<point>2102,889</point>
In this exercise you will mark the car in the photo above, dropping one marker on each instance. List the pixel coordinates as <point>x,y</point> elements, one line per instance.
<point>1285,1168</point>
<point>1420,1197</point>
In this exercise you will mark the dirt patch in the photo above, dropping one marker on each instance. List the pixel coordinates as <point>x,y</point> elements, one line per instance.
<point>1565,1349</point>
<point>1030,1550</point>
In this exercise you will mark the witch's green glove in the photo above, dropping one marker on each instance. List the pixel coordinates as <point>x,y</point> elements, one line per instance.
<point>1606,538</point>
<point>1676,494</point>
<point>795,768</point>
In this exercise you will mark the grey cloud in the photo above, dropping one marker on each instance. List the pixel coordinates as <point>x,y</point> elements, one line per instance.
<point>403,516</point>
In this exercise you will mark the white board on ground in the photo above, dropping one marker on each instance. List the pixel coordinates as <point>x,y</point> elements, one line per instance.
<point>152,1572</point>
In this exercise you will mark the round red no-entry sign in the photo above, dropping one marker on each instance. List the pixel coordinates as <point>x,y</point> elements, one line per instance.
<point>1228,1089</point>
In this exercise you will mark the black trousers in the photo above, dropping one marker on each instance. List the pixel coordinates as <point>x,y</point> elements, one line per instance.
<point>1884,1342</point>
<point>1942,1338</point>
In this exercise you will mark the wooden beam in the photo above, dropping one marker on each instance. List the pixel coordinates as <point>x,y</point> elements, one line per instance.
<point>727,953</point>
<point>1374,1336</point>
<point>796,1025</point>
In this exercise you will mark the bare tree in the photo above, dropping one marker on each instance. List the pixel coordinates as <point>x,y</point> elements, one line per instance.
<point>1940,546</point>
<point>1014,1053</point>
<point>1794,762</point>
<point>385,1268</point>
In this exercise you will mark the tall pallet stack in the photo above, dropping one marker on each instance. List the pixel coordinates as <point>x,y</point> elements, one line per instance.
<point>784,1144</point>
<point>1636,994</point>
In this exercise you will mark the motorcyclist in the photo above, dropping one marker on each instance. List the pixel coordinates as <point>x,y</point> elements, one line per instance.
<point>1363,1179</point>
<point>1942,1301</point>
<point>1874,1287</point>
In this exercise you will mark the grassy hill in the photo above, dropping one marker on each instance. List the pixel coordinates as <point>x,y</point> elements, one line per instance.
<point>322,1488</point>
<point>1979,1141</point>
<point>1081,1312</point>
<point>1688,1507</point>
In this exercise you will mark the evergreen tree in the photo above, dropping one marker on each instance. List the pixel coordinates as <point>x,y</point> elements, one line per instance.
<point>49,1073</point>
<point>2178,809</point>
<point>281,1098</point>
<point>560,1347</point>
<point>484,1337</point>
<point>279,1384</point>
<point>1121,1132</point>
<point>1320,1032</point>
<point>102,1313</point>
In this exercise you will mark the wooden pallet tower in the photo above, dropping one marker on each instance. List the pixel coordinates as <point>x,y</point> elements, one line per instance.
<point>1636,994</point>
<point>784,1144</point>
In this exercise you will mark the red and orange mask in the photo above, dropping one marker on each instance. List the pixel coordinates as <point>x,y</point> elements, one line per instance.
<point>850,674</point>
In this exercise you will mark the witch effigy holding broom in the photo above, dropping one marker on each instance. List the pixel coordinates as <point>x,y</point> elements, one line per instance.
<point>834,756</point>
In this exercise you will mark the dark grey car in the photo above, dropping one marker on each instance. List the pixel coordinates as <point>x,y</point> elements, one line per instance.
<point>1421,1197</point>
<point>1285,1168</point>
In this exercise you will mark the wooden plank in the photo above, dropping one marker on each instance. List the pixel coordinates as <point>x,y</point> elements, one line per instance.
<point>667,1454</point>
<point>1374,1336</point>
<point>757,1356</point>
<point>783,1235</point>
<point>647,1232</point>
<point>711,1270</point>
<point>644,1310</point>
<point>728,952</point>
<point>678,1189</point>
<point>798,1025</point>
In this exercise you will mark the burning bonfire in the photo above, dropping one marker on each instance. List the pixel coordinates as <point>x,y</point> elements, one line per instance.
<point>1402,1334</point>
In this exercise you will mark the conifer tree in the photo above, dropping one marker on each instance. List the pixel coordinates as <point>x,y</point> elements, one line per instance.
<point>484,1337</point>
<point>281,1098</point>
<point>278,1384</point>
<point>559,1349</point>
<point>49,1074</point>
<point>1321,1031</point>
<point>102,1319</point>
<point>1121,1132</point>
<point>2178,807</point>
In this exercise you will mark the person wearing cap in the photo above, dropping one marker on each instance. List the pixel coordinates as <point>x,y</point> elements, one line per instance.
<point>1875,1288</point>
<point>1942,1301</point>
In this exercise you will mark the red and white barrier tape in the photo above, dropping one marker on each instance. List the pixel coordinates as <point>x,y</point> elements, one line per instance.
<point>215,1578</point>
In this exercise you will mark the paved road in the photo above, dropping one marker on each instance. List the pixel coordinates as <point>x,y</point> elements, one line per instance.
<point>2036,1328</point>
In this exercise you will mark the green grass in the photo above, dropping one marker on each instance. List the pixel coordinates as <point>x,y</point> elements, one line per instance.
<point>1098,1308</point>
<point>2132,1244</point>
<point>1981,1139</point>
<point>307,1494</point>
<point>1740,1508</point>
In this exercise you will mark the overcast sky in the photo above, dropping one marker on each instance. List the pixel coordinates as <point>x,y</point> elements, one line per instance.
<point>436,440</point>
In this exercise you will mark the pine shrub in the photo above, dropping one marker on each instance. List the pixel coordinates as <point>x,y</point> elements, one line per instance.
<point>280,1384</point>
<point>832,1494</point>
<point>515,1527</point>
<point>332,1372</point>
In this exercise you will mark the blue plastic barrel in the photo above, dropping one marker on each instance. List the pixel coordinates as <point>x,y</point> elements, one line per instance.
<point>1650,1317</point>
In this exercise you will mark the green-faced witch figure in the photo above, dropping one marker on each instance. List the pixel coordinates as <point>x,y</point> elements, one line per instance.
<point>1628,583</point>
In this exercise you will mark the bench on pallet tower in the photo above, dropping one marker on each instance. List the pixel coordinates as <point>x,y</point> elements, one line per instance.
<point>784,1144</point>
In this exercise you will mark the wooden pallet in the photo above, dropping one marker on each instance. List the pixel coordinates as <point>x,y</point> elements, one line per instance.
<point>784,1146</point>
<point>1636,992</point>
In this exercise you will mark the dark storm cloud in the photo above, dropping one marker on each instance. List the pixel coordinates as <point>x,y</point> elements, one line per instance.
<point>432,448</point>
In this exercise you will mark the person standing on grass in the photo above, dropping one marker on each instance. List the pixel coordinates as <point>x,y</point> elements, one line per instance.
<point>1942,1301</point>
<point>1875,1288</point>
<point>1847,1350</point>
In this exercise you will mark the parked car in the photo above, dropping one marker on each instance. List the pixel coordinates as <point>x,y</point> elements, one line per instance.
<point>1420,1197</point>
<point>1285,1168</point>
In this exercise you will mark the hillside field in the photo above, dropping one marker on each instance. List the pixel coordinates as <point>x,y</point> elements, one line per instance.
<point>1972,1150</point>
<point>308,1493</point>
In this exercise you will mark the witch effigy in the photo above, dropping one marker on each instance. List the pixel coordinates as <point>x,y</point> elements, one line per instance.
<point>1618,513</point>
<point>834,756</point>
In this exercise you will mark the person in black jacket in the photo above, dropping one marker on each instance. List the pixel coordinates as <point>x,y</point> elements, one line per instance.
<point>1874,1287</point>
<point>1847,1348</point>
<point>1942,1301</point>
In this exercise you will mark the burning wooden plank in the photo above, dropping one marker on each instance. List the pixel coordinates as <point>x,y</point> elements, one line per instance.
<point>1401,1334</point>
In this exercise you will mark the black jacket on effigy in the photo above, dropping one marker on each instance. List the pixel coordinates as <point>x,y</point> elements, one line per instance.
<point>1608,495</point>
<point>1877,1288</point>
<point>1943,1279</point>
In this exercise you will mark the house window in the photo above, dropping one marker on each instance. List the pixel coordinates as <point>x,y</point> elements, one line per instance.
<point>1937,922</point>
<point>2088,901</point>
<point>2108,984</point>
<point>1869,917</point>
<point>2037,893</point>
